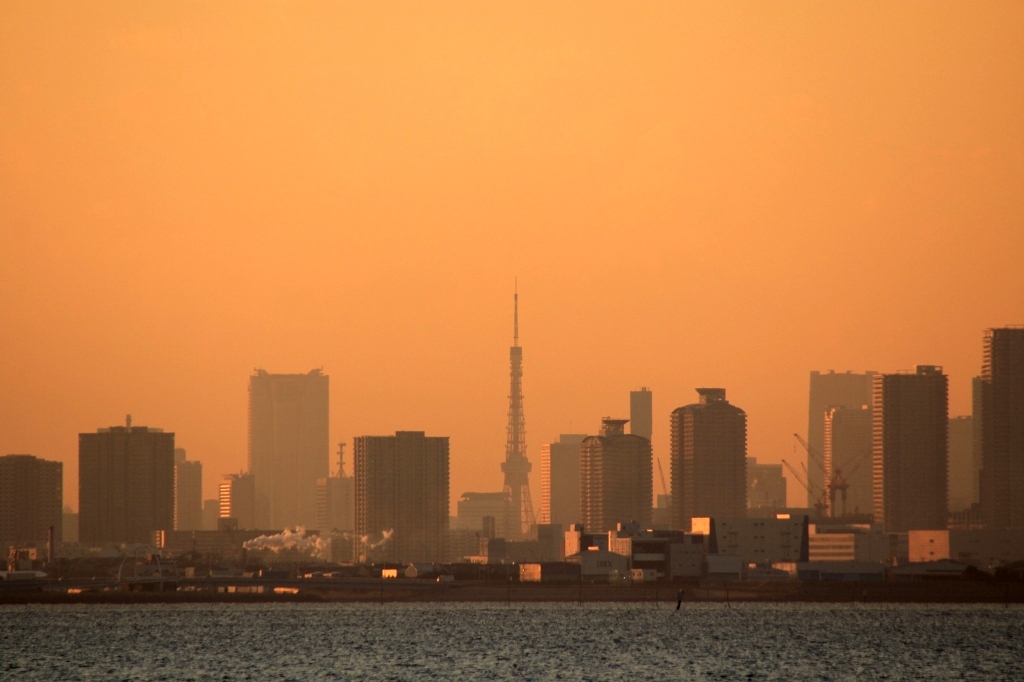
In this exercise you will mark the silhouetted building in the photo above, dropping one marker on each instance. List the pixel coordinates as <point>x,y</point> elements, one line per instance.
<point>766,485</point>
<point>709,459</point>
<point>615,478</point>
<point>31,501</point>
<point>237,500</point>
<point>909,454</point>
<point>211,512</point>
<point>125,484</point>
<point>560,480</point>
<point>641,413</point>
<point>828,390</point>
<point>473,508</point>
<point>962,493</point>
<point>69,525</point>
<point>401,497</point>
<point>848,459</point>
<point>288,445</point>
<point>335,504</point>
<point>188,492</point>
<point>1002,431</point>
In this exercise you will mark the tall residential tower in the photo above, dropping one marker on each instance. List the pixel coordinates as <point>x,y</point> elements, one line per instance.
<point>1002,428</point>
<point>909,451</point>
<point>288,445</point>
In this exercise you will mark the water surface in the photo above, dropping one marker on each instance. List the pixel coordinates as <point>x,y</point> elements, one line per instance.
<point>497,642</point>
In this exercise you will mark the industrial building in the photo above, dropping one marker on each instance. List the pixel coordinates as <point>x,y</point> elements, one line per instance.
<point>828,390</point>
<point>31,501</point>
<point>616,481</point>
<point>1002,428</point>
<point>909,455</point>
<point>560,480</point>
<point>401,497</point>
<point>861,542</point>
<point>757,541</point>
<point>288,445</point>
<point>709,459</point>
<point>125,484</point>
<point>188,492</point>
<point>982,548</point>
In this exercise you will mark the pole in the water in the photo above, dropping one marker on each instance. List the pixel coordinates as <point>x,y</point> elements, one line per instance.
<point>679,599</point>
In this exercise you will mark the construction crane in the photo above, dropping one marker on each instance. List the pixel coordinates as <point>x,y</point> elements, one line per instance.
<point>661,472</point>
<point>821,505</point>
<point>834,480</point>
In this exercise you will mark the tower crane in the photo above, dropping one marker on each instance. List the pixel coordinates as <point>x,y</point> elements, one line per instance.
<point>834,480</point>
<point>821,505</point>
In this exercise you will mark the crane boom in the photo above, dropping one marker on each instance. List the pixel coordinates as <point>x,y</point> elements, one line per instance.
<point>661,473</point>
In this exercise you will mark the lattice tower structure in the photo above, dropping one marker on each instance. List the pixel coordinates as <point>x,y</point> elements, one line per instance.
<point>516,466</point>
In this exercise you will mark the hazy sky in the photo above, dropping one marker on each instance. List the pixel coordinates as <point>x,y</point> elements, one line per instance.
<point>690,194</point>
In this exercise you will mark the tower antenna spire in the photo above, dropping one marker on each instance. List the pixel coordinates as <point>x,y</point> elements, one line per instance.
<point>515,328</point>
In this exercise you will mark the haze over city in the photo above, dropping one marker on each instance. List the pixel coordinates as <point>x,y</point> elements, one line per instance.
<point>689,195</point>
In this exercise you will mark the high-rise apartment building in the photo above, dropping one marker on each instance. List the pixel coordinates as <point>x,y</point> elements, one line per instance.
<point>31,501</point>
<point>962,490</point>
<point>641,413</point>
<point>401,497</point>
<point>709,459</point>
<point>847,456</point>
<point>288,445</point>
<point>909,453</point>
<point>125,484</point>
<point>1002,428</point>
<point>237,500</point>
<point>830,389</point>
<point>188,492</point>
<point>616,481</point>
<point>766,485</point>
<point>335,504</point>
<point>560,480</point>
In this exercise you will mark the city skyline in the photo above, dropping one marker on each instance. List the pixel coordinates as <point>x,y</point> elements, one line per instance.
<point>821,191</point>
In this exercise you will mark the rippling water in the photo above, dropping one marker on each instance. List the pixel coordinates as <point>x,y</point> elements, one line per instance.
<point>530,641</point>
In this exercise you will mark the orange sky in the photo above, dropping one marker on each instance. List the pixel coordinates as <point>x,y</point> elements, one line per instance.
<point>691,194</point>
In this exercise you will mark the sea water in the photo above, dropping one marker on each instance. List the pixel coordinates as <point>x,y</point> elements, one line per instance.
<point>518,641</point>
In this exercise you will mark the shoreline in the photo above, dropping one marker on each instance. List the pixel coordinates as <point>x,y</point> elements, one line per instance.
<point>924,592</point>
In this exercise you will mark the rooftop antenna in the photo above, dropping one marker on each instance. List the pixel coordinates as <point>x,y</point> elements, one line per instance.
<point>341,460</point>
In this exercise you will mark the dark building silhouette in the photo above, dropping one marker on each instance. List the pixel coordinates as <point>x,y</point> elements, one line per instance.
<point>125,484</point>
<point>847,454</point>
<point>237,500</point>
<point>615,478</point>
<point>1002,428</point>
<point>709,459</point>
<point>830,389</point>
<point>909,453</point>
<point>560,480</point>
<point>288,445</point>
<point>31,501</point>
<point>401,497</point>
<point>766,486</point>
<point>961,474</point>
<point>188,492</point>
